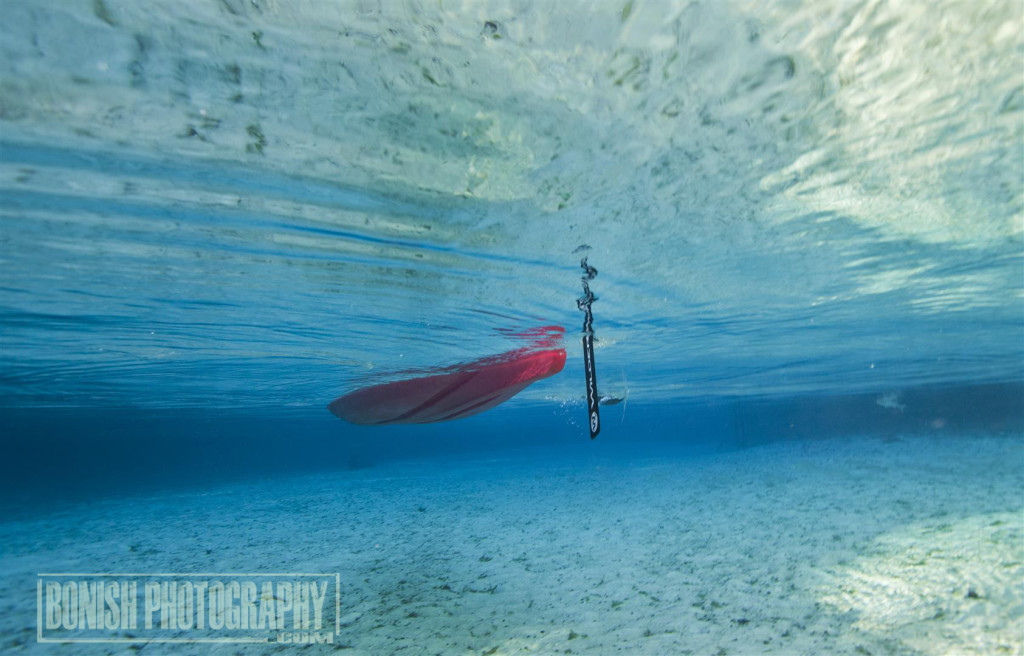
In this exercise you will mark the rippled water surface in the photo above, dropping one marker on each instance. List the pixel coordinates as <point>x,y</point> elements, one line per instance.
<point>266,202</point>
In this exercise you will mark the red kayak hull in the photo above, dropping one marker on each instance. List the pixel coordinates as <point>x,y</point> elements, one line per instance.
<point>453,393</point>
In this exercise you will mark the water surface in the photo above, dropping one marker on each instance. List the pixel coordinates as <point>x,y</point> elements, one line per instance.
<point>261,204</point>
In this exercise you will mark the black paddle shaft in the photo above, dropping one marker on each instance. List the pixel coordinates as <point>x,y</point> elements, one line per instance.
<point>584,303</point>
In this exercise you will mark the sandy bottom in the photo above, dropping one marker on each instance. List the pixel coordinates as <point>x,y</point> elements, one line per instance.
<point>854,546</point>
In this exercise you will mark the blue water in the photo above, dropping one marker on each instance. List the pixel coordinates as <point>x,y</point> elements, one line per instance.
<point>216,217</point>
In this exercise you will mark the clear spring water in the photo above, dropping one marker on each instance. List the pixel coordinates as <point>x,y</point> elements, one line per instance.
<point>216,216</point>
<point>260,203</point>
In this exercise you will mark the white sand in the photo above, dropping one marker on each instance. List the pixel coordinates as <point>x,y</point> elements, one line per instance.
<point>856,546</point>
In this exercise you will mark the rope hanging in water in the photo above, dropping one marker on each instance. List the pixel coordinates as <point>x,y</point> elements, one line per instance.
<point>583,303</point>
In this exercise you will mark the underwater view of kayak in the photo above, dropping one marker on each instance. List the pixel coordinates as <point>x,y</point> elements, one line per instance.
<point>453,392</point>
<point>786,417</point>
